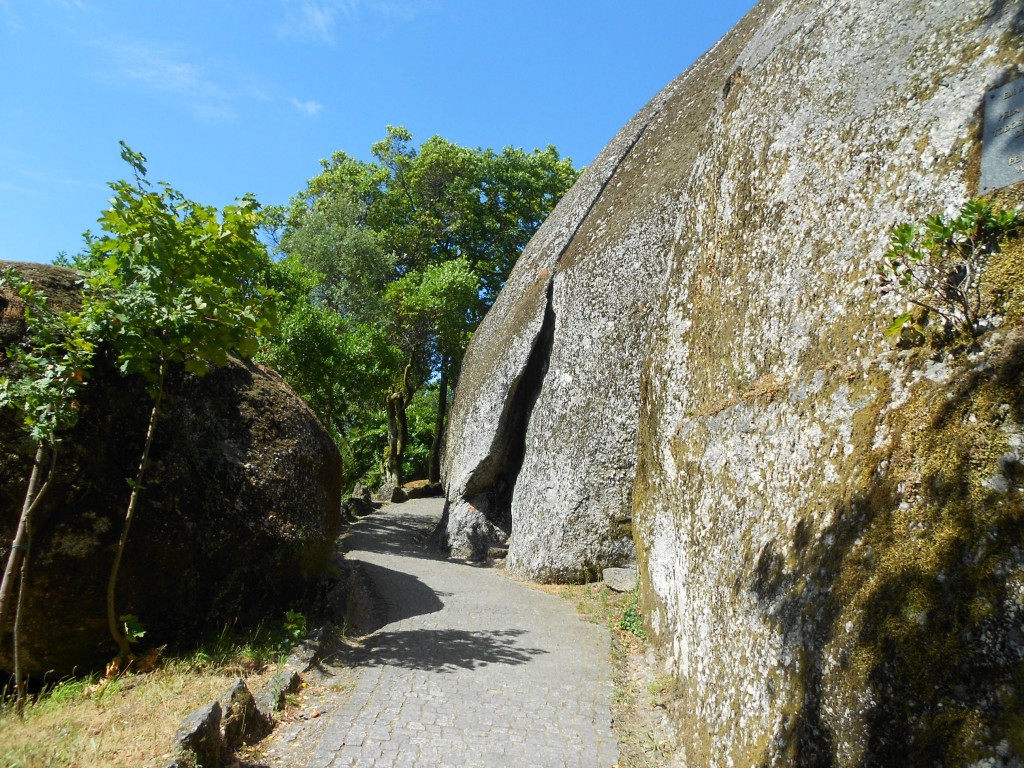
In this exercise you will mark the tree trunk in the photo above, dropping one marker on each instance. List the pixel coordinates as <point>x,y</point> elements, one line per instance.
<point>19,546</point>
<point>398,435</point>
<point>398,430</point>
<point>116,631</point>
<point>19,681</point>
<point>434,471</point>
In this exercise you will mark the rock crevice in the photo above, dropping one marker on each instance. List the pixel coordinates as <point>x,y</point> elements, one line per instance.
<point>489,490</point>
<point>490,431</point>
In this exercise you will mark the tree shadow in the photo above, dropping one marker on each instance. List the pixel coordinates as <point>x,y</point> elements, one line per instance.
<point>393,533</point>
<point>444,650</point>
<point>909,599</point>
<point>405,595</point>
<point>801,603</point>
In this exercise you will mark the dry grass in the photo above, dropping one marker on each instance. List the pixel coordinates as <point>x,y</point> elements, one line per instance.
<point>129,720</point>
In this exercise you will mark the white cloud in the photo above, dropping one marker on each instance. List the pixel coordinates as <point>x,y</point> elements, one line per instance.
<point>399,11</point>
<point>307,108</point>
<point>181,76</point>
<point>9,17</point>
<point>63,181</point>
<point>5,187</point>
<point>316,20</point>
<point>170,73</point>
<point>313,19</point>
<point>26,181</point>
<point>13,22</point>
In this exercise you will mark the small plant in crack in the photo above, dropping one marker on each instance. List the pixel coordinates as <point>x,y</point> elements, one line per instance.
<point>632,620</point>
<point>937,266</point>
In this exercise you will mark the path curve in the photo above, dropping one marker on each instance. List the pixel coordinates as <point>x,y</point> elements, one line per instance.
<point>473,669</point>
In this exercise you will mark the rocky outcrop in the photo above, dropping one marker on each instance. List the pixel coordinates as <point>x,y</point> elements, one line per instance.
<point>827,528</point>
<point>542,431</point>
<point>238,518</point>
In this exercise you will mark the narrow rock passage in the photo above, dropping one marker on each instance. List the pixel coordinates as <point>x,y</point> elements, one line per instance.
<point>473,669</point>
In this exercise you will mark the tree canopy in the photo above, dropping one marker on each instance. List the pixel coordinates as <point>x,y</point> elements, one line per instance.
<point>167,282</point>
<point>409,249</point>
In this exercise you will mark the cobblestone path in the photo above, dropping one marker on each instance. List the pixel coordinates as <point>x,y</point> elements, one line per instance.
<point>473,669</point>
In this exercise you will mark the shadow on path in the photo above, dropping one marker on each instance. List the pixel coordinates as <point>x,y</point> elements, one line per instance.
<point>391,533</point>
<point>390,536</point>
<point>405,595</point>
<point>444,650</point>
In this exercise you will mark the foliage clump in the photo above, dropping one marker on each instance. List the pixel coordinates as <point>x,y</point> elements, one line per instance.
<point>937,265</point>
<point>632,620</point>
<point>168,283</point>
<point>388,265</point>
<point>175,283</point>
<point>42,379</point>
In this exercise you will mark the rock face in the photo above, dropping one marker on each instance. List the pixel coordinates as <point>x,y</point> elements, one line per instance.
<point>238,518</point>
<point>543,432</point>
<point>690,357</point>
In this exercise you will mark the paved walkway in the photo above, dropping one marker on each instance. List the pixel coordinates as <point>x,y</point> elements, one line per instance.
<point>473,669</point>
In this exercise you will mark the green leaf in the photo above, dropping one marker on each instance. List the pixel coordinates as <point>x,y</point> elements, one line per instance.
<point>133,628</point>
<point>197,366</point>
<point>897,324</point>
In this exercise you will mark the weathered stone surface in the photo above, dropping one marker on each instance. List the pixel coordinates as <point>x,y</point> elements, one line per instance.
<point>562,507</point>
<point>271,698</point>
<point>242,722</point>
<point>366,610</point>
<point>198,744</point>
<point>356,507</point>
<point>422,489</point>
<point>362,493</point>
<point>1002,143</point>
<point>237,520</point>
<point>694,349</point>
<point>497,553</point>
<point>620,579</point>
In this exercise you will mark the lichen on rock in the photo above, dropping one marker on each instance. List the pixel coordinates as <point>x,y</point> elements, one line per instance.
<point>827,528</point>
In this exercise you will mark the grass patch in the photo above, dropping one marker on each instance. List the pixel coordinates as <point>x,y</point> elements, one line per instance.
<point>619,611</point>
<point>131,719</point>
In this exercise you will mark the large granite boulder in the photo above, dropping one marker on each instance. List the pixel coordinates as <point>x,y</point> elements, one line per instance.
<point>828,528</point>
<point>239,514</point>
<point>542,432</point>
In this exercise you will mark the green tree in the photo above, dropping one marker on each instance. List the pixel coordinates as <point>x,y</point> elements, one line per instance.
<point>429,319</point>
<point>333,347</point>
<point>175,283</point>
<point>42,380</point>
<point>443,201</point>
<point>425,207</point>
<point>352,268</point>
<point>337,363</point>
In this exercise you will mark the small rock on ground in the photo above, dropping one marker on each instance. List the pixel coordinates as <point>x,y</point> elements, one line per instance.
<point>620,579</point>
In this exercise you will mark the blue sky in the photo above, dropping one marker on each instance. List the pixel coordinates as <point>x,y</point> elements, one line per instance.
<point>226,97</point>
